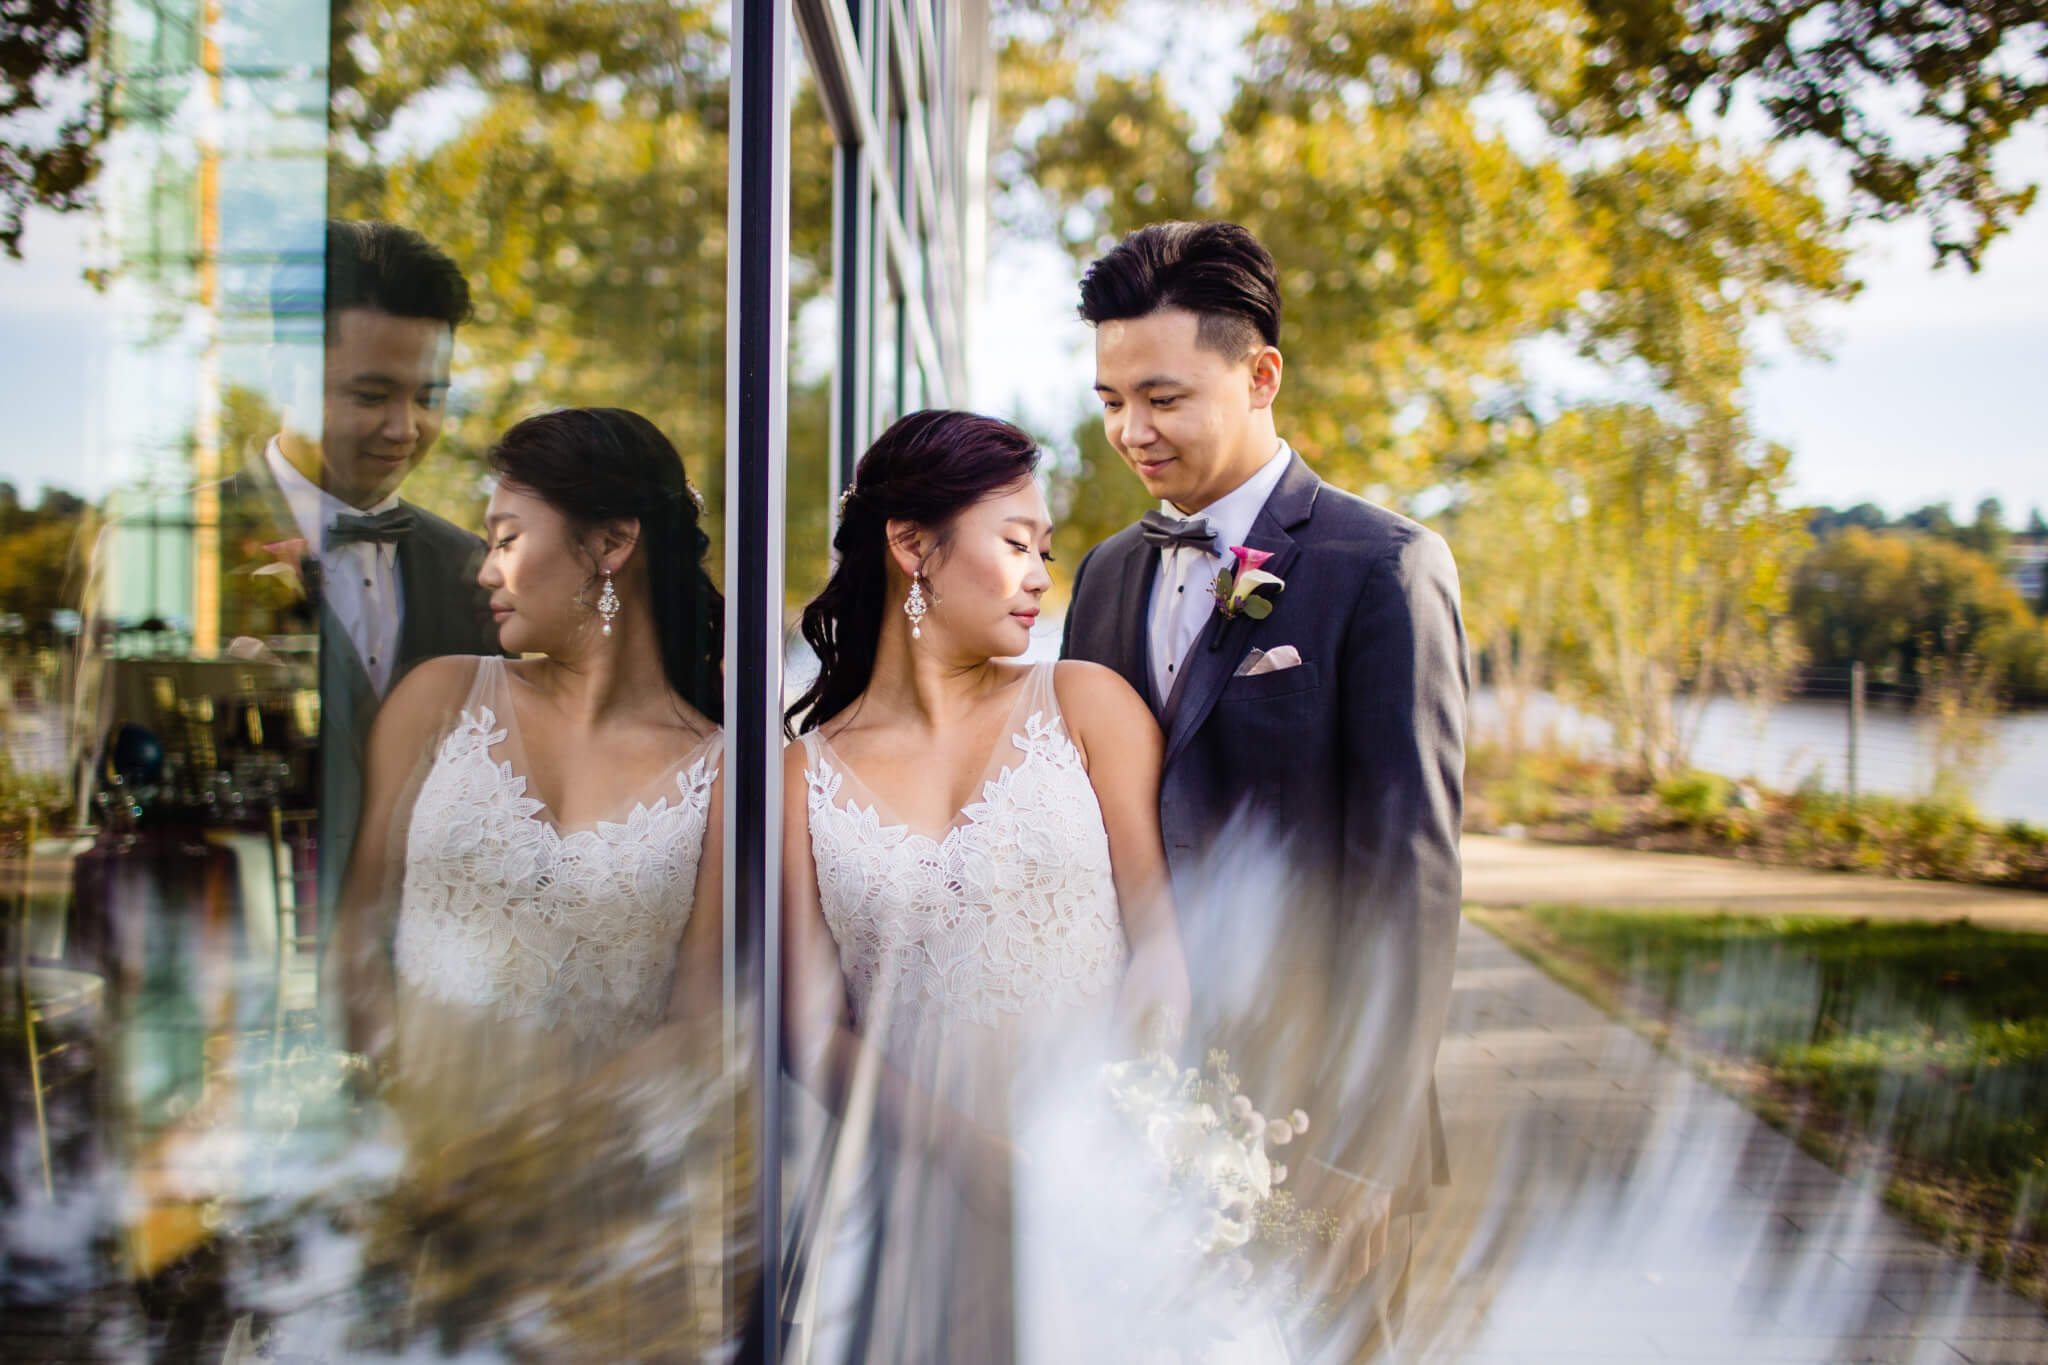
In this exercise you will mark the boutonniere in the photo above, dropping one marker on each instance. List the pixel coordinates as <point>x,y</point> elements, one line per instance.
<point>1238,585</point>
<point>283,566</point>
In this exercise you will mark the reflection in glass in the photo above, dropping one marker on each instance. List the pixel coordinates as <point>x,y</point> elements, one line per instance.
<point>304,292</point>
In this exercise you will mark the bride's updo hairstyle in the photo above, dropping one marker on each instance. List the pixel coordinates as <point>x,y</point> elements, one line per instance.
<point>595,465</point>
<point>927,469</point>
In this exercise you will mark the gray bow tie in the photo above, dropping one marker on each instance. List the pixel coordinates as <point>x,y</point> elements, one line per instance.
<point>385,528</point>
<point>1168,532</point>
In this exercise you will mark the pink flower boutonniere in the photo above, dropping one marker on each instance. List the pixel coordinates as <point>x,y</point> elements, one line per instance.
<point>1238,585</point>
<point>285,558</point>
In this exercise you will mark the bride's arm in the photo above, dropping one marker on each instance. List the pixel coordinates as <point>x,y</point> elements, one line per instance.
<point>1121,745</point>
<point>409,725</point>
<point>698,996</point>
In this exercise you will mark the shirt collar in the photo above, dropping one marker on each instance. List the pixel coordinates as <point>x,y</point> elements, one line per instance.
<point>1231,516</point>
<point>313,507</point>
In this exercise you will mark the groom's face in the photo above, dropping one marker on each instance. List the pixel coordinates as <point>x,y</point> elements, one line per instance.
<point>385,398</point>
<point>1179,413</point>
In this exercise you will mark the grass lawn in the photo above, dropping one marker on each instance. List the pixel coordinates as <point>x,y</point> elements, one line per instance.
<point>1915,1051</point>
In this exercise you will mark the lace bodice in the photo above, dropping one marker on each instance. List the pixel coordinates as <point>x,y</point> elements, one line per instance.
<point>1011,913</point>
<point>505,913</point>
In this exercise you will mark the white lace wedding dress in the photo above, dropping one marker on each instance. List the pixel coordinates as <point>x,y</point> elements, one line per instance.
<point>528,955</point>
<point>971,955</point>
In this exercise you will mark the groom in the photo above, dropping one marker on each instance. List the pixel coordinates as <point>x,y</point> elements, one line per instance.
<point>1322,712</point>
<point>389,583</point>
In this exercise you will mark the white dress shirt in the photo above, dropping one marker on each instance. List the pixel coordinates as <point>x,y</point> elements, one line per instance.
<point>359,580</point>
<point>1182,590</point>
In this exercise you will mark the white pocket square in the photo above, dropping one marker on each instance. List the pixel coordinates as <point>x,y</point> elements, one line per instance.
<point>1269,661</point>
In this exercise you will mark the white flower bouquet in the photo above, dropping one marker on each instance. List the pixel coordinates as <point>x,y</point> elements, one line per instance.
<point>1213,1153</point>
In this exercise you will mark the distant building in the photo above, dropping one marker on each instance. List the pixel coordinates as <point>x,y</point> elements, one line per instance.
<point>2026,567</point>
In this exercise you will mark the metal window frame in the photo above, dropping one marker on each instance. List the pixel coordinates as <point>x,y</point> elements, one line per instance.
<point>913,239</point>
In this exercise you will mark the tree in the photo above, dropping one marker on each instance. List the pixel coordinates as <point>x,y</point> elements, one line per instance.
<point>38,558</point>
<point>1680,554</point>
<point>1968,71</point>
<point>1825,521</point>
<point>584,198</point>
<point>584,194</point>
<point>1637,551</point>
<point>52,121</point>
<point>1988,534</point>
<point>1422,248</point>
<point>1516,542</point>
<point>1907,605</point>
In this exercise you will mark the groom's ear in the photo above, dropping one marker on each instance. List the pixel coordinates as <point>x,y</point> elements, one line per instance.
<point>1266,367</point>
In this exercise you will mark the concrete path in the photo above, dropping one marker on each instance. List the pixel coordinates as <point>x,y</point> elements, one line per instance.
<point>1608,1206</point>
<point>1513,872</point>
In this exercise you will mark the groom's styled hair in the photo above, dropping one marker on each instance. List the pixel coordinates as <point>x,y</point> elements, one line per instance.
<point>364,263</point>
<point>1217,271</point>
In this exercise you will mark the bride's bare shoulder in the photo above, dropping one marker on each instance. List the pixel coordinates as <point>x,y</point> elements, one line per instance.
<point>429,695</point>
<point>1094,697</point>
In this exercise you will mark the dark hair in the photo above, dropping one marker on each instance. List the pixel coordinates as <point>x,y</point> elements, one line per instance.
<point>1217,271</point>
<point>595,465</point>
<point>393,270</point>
<point>926,469</point>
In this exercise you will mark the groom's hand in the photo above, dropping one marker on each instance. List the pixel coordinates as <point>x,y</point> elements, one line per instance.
<point>1364,1213</point>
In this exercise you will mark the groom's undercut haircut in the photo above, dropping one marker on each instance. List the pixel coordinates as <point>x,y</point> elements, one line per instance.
<point>393,270</point>
<point>1217,271</point>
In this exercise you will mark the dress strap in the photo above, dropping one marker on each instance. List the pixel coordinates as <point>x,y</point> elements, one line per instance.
<point>1041,696</point>
<point>486,686</point>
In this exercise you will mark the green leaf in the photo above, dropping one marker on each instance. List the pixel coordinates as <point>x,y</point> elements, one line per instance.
<point>1258,608</point>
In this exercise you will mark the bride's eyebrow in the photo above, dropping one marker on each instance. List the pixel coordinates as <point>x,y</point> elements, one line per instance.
<point>1029,523</point>
<point>493,518</point>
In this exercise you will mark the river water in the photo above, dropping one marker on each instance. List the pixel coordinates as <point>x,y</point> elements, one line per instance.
<point>1783,745</point>
<point>1792,741</point>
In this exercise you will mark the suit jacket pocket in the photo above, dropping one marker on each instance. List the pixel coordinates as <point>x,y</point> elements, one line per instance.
<point>1303,677</point>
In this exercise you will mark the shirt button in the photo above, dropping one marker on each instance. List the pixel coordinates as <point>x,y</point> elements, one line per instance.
<point>366,582</point>
<point>373,660</point>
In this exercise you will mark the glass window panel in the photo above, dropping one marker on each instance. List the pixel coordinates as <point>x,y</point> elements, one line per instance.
<point>192,673</point>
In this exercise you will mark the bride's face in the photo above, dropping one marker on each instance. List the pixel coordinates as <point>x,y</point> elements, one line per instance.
<point>537,573</point>
<point>987,582</point>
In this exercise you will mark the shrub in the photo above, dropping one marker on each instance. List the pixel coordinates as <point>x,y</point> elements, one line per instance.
<point>1695,799</point>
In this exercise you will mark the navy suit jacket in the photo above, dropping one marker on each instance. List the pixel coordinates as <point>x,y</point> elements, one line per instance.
<point>1350,765</point>
<point>443,611</point>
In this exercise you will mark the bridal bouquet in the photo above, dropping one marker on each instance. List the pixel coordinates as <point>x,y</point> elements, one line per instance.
<point>1211,1152</point>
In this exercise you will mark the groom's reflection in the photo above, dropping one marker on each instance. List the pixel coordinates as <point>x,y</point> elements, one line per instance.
<point>391,583</point>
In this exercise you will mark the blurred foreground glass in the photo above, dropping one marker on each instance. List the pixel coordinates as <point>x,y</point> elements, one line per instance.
<point>194,1167</point>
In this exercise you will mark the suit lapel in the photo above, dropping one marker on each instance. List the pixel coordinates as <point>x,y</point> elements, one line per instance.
<point>422,587</point>
<point>1134,598</point>
<point>1223,642</point>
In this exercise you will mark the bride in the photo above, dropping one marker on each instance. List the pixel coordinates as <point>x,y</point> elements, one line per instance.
<point>535,890</point>
<point>973,876</point>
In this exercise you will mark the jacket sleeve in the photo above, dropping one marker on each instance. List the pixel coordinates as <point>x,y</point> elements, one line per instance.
<point>1395,927</point>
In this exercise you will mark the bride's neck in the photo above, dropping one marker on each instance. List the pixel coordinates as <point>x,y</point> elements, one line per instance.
<point>611,674</point>
<point>916,678</point>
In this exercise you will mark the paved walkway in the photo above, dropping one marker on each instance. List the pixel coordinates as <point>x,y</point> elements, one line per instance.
<point>1608,1206</point>
<point>1512,872</point>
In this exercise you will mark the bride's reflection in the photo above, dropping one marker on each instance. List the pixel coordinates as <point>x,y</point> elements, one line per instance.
<point>529,943</point>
